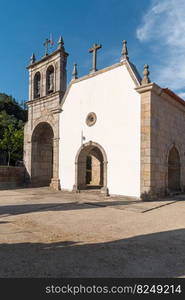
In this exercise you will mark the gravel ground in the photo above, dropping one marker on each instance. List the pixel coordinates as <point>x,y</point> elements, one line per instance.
<point>45,233</point>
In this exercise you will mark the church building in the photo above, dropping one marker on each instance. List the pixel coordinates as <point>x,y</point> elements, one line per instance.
<point>110,130</point>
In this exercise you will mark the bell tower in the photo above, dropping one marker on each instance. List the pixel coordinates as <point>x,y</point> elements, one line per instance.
<point>47,85</point>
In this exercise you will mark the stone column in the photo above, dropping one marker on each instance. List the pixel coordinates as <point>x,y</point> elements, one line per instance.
<point>55,182</point>
<point>147,155</point>
<point>104,189</point>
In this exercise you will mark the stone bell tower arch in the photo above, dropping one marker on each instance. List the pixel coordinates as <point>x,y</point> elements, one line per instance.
<point>47,85</point>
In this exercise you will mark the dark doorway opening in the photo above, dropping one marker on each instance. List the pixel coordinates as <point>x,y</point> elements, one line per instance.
<point>90,168</point>
<point>42,155</point>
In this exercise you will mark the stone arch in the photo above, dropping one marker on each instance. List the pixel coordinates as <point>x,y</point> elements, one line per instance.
<point>91,167</point>
<point>37,85</point>
<point>42,154</point>
<point>50,80</point>
<point>174,170</point>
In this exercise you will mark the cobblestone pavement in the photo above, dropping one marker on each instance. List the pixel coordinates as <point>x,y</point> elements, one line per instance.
<point>47,233</point>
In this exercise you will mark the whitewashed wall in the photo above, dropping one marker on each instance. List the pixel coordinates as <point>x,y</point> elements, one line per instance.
<point>112,97</point>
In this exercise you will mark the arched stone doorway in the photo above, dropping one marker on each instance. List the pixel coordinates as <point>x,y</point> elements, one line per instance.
<point>91,168</point>
<point>173,170</point>
<point>42,155</point>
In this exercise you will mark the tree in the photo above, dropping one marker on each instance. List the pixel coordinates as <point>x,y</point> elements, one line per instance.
<point>12,107</point>
<point>12,142</point>
<point>12,118</point>
<point>5,120</point>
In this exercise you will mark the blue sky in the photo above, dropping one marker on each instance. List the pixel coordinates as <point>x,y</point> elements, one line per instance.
<point>154,30</point>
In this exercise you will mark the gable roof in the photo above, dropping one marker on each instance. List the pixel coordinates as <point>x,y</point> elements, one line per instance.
<point>174,96</point>
<point>130,67</point>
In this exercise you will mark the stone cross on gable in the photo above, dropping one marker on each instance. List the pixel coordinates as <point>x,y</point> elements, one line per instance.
<point>93,50</point>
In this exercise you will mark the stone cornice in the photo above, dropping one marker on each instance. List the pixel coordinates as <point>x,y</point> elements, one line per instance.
<point>174,96</point>
<point>90,75</point>
<point>166,94</point>
<point>149,87</point>
<point>45,58</point>
<point>57,110</point>
<point>48,97</point>
<point>174,100</point>
<point>124,62</point>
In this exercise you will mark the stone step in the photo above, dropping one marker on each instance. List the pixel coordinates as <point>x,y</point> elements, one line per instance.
<point>94,194</point>
<point>91,191</point>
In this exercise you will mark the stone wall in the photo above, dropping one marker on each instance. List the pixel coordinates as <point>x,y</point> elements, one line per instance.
<point>168,130</point>
<point>145,180</point>
<point>162,127</point>
<point>11,177</point>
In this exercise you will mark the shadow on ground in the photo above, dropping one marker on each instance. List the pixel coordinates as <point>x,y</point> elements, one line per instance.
<point>154,255</point>
<point>29,208</point>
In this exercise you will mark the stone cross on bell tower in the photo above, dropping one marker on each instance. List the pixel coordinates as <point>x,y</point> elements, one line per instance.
<point>93,50</point>
<point>46,44</point>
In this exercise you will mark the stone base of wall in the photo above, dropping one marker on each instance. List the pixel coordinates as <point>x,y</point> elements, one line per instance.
<point>11,177</point>
<point>154,194</point>
<point>55,184</point>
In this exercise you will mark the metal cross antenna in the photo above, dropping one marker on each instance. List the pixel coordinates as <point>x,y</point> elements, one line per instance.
<point>46,43</point>
<point>93,50</point>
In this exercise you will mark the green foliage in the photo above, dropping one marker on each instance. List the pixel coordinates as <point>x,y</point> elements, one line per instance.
<point>12,142</point>
<point>12,108</point>
<point>12,119</point>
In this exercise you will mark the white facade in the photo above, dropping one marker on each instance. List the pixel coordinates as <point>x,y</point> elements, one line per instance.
<point>111,95</point>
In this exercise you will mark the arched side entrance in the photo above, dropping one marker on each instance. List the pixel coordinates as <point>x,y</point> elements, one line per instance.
<point>174,170</point>
<point>91,168</point>
<point>42,155</point>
